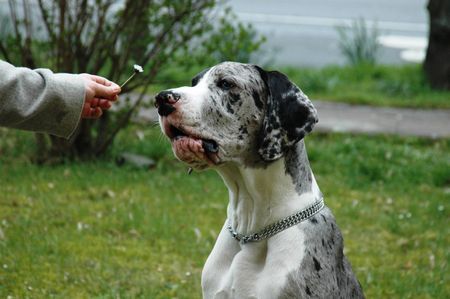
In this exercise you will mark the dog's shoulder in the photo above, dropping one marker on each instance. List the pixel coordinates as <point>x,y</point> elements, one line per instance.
<point>324,271</point>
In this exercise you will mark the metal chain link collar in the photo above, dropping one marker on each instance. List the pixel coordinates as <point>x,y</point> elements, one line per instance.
<point>280,225</point>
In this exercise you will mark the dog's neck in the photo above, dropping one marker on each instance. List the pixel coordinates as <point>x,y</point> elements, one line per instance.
<point>262,196</point>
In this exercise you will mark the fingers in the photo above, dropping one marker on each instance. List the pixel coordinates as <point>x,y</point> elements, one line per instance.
<point>106,92</point>
<point>96,112</point>
<point>91,112</point>
<point>104,104</point>
<point>100,92</point>
<point>101,80</point>
<point>101,87</point>
<point>86,112</point>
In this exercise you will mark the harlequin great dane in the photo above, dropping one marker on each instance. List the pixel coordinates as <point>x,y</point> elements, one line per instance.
<point>278,240</point>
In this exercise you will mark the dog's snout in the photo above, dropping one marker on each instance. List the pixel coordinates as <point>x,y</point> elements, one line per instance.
<point>167,97</point>
<point>165,100</point>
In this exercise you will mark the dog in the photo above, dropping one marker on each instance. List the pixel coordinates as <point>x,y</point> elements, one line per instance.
<point>279,240</point>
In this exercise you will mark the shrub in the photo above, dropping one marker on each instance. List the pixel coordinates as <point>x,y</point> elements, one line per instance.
<point>359,44</point>
<point>107,37</point>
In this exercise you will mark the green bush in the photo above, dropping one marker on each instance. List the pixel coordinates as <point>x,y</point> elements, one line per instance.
<point>358,44</point>
<point>107,37</point>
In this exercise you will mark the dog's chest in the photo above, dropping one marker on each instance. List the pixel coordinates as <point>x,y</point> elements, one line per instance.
<point>254,270</point>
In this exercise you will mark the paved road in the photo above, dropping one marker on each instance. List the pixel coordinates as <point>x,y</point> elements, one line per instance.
<point>340,117</point>
<point>302,32</point>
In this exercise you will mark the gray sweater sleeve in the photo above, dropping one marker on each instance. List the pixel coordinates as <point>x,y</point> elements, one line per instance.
<point>39,100</point>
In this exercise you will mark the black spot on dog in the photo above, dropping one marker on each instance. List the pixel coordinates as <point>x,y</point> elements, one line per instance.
<point>272,118</point>
<point>308,291</point>
<point>330,245</point>
<point>272,152</point>
<point>234,98</point>
<point>257,100</point>
<point>313,220</point>
<point>243,129</point>
<point>266,143</point>
<point>309,127</point>
<point>230,108</point>
<point>317,265</point>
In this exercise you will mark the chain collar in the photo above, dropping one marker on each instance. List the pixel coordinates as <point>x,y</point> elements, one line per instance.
<point>280,225</point>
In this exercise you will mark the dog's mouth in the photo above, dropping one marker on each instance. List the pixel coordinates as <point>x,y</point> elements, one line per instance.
<point>210,146</point>
<point>191,147</point>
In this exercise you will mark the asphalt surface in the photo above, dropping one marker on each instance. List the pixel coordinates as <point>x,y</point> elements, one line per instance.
<point>303,32</point>
<point>340,117</point>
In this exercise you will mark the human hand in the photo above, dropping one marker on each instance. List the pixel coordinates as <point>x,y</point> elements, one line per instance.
<point>99,94</point>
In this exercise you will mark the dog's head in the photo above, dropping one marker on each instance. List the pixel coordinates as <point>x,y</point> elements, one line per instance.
<point>235,112</point>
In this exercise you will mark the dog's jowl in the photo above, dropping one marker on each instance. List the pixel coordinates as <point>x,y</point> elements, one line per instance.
<point>279,240</point>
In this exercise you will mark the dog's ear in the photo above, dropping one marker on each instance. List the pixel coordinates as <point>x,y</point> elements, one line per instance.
<point>289,116</point>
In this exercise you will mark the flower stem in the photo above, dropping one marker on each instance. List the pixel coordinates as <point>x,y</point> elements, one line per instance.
<point>131,77</point>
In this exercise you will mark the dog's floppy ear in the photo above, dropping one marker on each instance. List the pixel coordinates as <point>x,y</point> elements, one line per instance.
<point>289,116</point>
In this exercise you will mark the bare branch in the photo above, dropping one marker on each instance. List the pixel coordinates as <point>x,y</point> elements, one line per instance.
<point>104,45</point>
<point>176,19</point>
<point>4,52</point>
<point>13,13</point>
<point>47,23</point>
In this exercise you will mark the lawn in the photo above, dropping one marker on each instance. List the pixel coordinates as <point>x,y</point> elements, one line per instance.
<point>375,85</point>
<point>96,230</point>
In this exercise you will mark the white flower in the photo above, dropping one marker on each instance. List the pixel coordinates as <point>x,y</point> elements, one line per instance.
<point>138,68</point>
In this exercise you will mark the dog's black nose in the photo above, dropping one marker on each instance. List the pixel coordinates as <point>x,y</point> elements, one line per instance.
<point>164,101</point>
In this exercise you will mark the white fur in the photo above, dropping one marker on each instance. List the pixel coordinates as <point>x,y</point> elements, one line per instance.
<point>258,197</point>
<point>191,103</point>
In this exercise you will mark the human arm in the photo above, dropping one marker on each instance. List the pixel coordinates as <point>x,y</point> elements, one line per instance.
<point>42,101</point>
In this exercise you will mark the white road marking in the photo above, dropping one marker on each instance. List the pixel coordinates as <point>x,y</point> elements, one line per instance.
<point>403,42</point>
<point>414,47</point>
<point>417,56</point>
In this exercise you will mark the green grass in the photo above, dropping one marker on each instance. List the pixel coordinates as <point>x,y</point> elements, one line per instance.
<point>379,85</point>
<point>96,230</point>
<point>382,85</point>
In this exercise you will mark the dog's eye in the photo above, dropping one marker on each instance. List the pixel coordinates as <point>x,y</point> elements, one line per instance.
<point>225,85</point>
